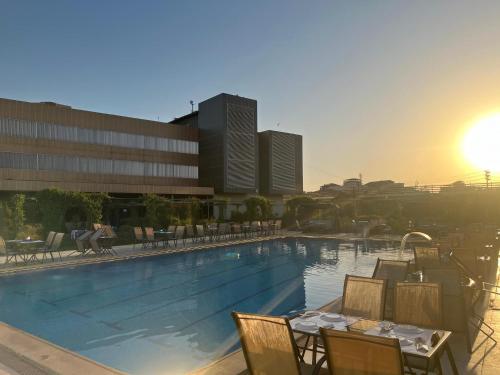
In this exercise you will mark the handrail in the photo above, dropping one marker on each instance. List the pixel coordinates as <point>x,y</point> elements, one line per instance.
<point>408,235</point>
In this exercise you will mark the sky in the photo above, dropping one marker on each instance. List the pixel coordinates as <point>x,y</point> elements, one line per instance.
<point>385,89</point>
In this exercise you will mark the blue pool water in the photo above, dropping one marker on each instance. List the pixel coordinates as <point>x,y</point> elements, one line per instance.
<point>170,314</point>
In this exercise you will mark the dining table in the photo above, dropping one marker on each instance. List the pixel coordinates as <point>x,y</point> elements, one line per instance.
<point>427,344</point>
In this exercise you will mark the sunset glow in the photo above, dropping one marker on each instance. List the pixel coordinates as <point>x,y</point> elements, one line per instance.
<point>481,144</point>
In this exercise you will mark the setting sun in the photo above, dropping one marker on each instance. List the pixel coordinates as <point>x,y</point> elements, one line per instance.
<point>481,144</point>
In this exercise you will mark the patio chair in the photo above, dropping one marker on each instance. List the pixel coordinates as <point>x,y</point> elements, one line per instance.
<point>419,304</point>
<point>264,229</point>
<point>179,234</point>
<point>352,353</point>
<point>392,271</point>
<point>364,297</point>
<point>236,230</point>
<point>83,244</point>
<point>480,288</point>
<point>171,236</point>
<point>139,237</point>
<point>189,233</point>
<point>46,247</point>
<point>150,237</point>
<point>426,257</point>
<point>200,233</point>
<point>55,247</point>
<point>9,253</point>
<point>95,245</point>
<point>255,227</point>
<point>269,346</point>
<point>277,226</point>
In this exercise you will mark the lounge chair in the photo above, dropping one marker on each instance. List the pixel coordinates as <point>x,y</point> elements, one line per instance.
<point>364,297</point>
<point>94,243</point>
<point>359,354</point>
<point>55,247</point>
<point>179,234</point>
<point>269,346</point>
<point>189,233</point>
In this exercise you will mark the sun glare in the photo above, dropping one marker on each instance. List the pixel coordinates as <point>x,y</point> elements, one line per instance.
<point>481,144</point>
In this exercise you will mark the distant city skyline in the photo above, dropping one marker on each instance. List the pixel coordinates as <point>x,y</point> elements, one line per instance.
<point>385,88</point>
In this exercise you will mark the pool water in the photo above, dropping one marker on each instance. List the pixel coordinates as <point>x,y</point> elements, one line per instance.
<point>170,314</point>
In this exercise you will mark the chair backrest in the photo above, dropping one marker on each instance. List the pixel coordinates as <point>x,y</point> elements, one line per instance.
<point>3,246</point>
<point>419,304</point>
<point>97,226</point>
<point>171,229</point>
<point>268,344</point>
<point>189,231</point>
<point>364,297</point>
<point>351,353</point>
<point>236,228</point>
<point>265,225</point>
<point>50,238</point>
<point>56,244</point>
<point>108,231</point>
<point>200,230</point>
<point>150,233</point>
<point>222,228</point>
<point>255,225</point>
<point>179,231</point>
<point>426,257</point>
<point>391,270</point>
<point>82,240</point>
<point>138,233</point>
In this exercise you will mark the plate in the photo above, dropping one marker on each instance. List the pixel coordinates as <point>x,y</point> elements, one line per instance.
<point>332,318</point>
<point>404,328</point>
<point>306,326</point>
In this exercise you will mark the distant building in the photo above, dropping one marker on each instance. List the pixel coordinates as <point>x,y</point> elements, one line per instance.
<point>280,156</point>
<point>382,186</point>
<point>330,188</point>
<point>352,184</point>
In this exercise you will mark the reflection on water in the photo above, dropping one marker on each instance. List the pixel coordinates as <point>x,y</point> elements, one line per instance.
<point>171,313</point>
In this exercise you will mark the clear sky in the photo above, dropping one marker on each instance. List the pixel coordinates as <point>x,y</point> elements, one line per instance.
<point>382,88</point>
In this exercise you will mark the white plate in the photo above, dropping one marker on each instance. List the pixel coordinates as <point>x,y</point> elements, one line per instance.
<point>306,326</point>
<point>332,318</point>
<point>404,328</point>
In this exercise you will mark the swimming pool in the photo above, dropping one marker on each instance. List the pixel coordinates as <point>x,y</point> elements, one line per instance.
<point>170,314</point>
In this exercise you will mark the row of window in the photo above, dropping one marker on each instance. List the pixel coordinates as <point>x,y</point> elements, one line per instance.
<point>32,129</point>
<point>91,165</point>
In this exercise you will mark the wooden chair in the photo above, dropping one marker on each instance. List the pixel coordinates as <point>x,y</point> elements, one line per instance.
<point>364,297</point>
<point>269,346</point>
<point>351,353</point>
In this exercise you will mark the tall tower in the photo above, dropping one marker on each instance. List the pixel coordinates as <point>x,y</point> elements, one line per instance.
<point>229,144</point>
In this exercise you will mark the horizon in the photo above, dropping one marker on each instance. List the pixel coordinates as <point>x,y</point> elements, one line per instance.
<point>344,75</point>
